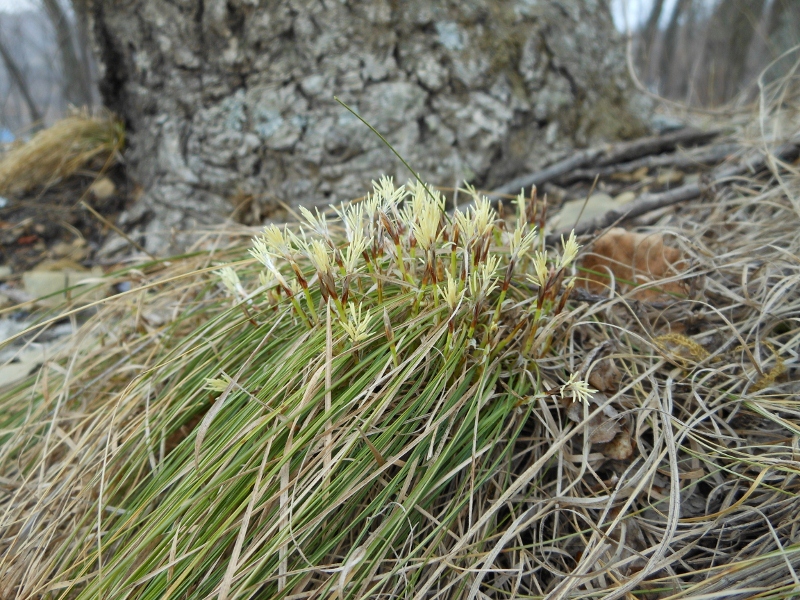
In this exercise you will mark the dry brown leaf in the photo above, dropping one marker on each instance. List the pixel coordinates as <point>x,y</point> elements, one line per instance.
<point>605,376</point>
<point>670,177</point>
<point>619,448</point>
<point>103,189</point>
<point>601,428</point>
<point>638,175</point>
<point>633,259</point>
<point>630,542</point>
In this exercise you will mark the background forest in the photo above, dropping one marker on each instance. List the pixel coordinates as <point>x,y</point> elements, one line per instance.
<point>702,52</point>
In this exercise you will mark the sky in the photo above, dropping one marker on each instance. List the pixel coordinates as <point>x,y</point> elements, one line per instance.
<point>16,5</point>
<point>637,12</point>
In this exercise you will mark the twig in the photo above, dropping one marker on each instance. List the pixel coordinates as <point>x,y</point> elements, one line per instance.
<point>705,156</point>
<point>108,223</point>
<point>649,202</point>
<point>609,154</point>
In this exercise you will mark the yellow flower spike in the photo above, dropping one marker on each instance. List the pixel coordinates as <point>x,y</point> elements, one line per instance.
<point>450,293</point>
<point>577,389</point>
<point>317,253</point>
<point>384,198</point>
<point>317,223</point>
<point>521,203</point>
<point>466,226</point>
<point>482,281</point>
<point>261,253</point>
<point>219,384</point>
<point>355,249</point>
<point>571,248</point>
<point>231,281</point>
<point>540,266</point>
<point>426,229</point>
<point>519,244</point>
<point>265,283</point>
<point>485,216</point>
<point>356,326</point>
<point>276,241</point>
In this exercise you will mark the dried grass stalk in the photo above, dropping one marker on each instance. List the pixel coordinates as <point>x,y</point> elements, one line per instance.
<point>59,151</point>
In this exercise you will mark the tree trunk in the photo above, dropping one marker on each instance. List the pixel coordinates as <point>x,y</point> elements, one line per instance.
<point>731,30</point>
<point>783,33</point>
<point>649,37</point>
<point>232,99</point>
<point>15,73</point>
<point>76,80</point>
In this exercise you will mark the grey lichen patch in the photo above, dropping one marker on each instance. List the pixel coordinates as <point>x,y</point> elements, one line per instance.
<point>242,98</point>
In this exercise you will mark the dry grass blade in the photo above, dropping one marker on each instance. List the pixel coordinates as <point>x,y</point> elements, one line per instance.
<point>59,151</point>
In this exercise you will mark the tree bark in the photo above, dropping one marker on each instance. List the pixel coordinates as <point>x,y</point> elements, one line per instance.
<point>230,98</point>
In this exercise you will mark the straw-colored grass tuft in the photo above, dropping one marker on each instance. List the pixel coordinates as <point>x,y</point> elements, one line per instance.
<point>59,151</point>
<point>385,407</point>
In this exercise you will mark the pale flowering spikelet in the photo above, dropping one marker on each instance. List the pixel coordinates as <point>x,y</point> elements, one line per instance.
<point>260,251</point>
<point>520,243</point>
<point>371,203</point>
<point>450,293</point>
<point>577,389</point>
<point>540,268</point>
<point>482,281</point>
<point>219,384</point>
<point>484,215</point>
<point>384,196</point>
<point>352,217</point>
<point>352,254</point>
<point>571,248</point>
<point>426,229</point>
<point>318,223</point>
<point>277,242</point>
<point>522,217</point>
<point>264,281</point>
<point>231,282</point>
<point>317,253</point>
<point>357,325</point>
<point>418,199</point>
<point>466,226</point>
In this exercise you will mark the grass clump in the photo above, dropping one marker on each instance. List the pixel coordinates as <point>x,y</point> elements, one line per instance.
<point>60,151</point>
<point>359,410</point>
<point>384,406</point>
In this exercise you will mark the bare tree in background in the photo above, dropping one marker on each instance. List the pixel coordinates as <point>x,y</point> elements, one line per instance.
<point>667,62</point>
<point>20,81</point>
<point>730,34</point>
<point>76,71</point>
<point>710,51</point>
<point>650,30</point>
<point>45,63</point>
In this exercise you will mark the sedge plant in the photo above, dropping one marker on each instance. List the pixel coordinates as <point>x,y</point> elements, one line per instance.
<point>347,427</point>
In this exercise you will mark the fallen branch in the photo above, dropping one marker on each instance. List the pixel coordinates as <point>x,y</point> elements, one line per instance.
<point>649,202</point>
<point>704,156</point>
<point>609,154</point>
